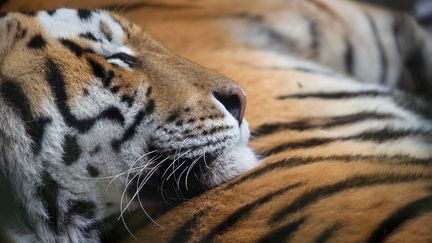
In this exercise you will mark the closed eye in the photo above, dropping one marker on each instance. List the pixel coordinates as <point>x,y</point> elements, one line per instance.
<point>122,59</point>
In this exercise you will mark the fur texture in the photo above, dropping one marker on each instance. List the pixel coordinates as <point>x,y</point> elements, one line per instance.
<point>342,159</point>
<point>97,116</point>
<point>346,155</point>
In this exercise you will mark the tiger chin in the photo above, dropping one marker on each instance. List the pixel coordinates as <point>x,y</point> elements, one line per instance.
<point>98,117</point>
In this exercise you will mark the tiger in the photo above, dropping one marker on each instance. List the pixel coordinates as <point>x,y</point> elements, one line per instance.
<point>343,136</point>
<point>331,126</point>
<point>95,111</point>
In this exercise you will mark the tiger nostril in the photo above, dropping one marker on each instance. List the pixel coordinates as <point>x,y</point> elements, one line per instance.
<point>234,100</point>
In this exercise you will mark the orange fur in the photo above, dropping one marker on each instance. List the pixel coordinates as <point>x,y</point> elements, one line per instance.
<point>196,33</point>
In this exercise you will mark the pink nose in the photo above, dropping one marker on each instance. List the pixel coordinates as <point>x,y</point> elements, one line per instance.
<point>234,100</point>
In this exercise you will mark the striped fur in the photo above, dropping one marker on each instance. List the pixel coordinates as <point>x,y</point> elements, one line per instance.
<point>361,170</point>
<point>97,116</point>
<point>342,158</point>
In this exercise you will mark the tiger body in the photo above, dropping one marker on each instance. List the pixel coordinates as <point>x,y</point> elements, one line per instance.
<point>317,182</point>
<point>343,158</point>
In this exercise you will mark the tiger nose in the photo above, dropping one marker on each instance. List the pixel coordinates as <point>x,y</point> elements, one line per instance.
<point>234,100</point>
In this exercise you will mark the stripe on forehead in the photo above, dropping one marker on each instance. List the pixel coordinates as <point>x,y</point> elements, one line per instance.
<point>69,24</point>
<point>66,23</point>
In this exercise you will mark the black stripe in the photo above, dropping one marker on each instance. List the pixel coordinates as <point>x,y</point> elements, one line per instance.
<point>51,12</point>
<point>9,27</point>
<point>397,25</point>
<point>89,36</point>
<point>108,79</point>
<point>399,217</point>
<point>99,71</point>
<point>48,192</point>
<point>55,79</point>
<point>173,116</point>
<point>97,68</point>
<point>397,37</point>
<point>28,13</point>
<point>111,113</point>
<point>382,54</point>
<point>349,56</point>
<point>36,130</point>
<point>359,181</point>
<point>15,96</point>
<point>73,47</point>
<point>336,95</point>
<point>284,233</point>
<point>319,122</point>
<point>104,28</point>
<point>36,42</point>
<point>302,144</point>
<point>20,33</point>
<point>315,37</point>
<point>378,136</point>
<point>386,134</point>
<point>71,150</point>
<point>83,209</point>
<point>130,132</point>
<point>84,14</point>
<point>300,161</point>
<point>328,233</point>
<point>414,104</point>
<point>126,30</point>
<point>128,100</point>
<point>149,91</point>
<point>115,89</point>
<point>243,212</point>
<point>184,233</point>
<point>93,171</point>
<point>35,127</point>
<point>416,66</point>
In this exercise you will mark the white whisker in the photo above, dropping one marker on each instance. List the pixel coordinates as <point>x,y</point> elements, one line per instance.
<point>190,168</point>
<point>178,167</point>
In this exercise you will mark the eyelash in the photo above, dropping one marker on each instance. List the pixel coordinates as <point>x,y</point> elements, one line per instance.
<point>126,58</point>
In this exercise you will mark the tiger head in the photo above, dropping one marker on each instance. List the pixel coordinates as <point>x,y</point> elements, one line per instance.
<point>92,106</point>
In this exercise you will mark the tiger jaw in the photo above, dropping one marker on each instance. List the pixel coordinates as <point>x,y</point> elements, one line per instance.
<point>179,175</point>
<point>233,162</point>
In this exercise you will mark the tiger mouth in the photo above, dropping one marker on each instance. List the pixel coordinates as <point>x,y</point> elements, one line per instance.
<point>177,174</point>
<point>172,177</point>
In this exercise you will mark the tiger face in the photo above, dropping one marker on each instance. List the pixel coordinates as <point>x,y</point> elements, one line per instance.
<point>95,109</point>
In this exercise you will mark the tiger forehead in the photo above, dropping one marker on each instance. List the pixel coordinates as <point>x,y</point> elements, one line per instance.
<point>75,23</point>
<point>106,33</point>
<point>82,61</point>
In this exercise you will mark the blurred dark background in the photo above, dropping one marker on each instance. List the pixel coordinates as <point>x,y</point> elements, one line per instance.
<point>405,5</point>
<point>421,9</point>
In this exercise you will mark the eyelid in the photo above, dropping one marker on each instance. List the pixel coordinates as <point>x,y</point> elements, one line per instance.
<point>126,58</point>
